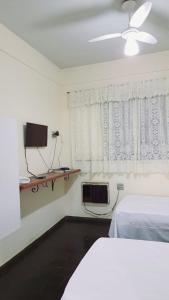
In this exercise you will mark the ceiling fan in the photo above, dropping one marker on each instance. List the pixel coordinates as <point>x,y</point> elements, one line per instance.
<point>132,35</point>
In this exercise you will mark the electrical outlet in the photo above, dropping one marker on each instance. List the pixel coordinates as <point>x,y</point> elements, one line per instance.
<point>120,186</point>
<point>55,133</point>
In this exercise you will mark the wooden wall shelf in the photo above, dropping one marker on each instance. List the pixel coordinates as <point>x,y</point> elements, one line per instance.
<point>50,177</point>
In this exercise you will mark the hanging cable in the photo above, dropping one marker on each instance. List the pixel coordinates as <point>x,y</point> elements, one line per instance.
<point>102,214</point>
<point>45,163</point>
<point>27,167</point>
<point>54,153</point>
<point>61,148</point>
<point>49,168</point>
<point>59,154</point>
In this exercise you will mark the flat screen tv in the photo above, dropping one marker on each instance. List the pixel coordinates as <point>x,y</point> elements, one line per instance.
<point>36,135</point>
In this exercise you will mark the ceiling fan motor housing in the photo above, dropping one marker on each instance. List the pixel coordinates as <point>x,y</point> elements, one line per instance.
<point>129,33</point>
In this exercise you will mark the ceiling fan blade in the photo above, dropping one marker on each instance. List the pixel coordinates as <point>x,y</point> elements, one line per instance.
<point>145,38</point>
<point>105,37</point>
<point>141,14</point>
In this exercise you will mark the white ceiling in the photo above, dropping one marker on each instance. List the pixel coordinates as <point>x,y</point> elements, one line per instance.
<point>60,29</point>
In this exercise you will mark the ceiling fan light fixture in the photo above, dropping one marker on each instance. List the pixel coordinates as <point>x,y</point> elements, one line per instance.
<point>132,34</point>
<point>141,14</point>
<point>131,47</point>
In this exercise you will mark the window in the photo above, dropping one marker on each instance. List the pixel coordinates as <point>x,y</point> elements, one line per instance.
<point>122,128</point>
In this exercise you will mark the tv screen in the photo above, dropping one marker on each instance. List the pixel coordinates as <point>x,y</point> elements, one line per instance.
<point>36,135</point>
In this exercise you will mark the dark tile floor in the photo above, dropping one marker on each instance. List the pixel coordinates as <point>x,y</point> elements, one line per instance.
<point>43,272</point>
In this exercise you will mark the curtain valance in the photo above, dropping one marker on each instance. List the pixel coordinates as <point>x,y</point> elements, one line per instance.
<point>120,92</point>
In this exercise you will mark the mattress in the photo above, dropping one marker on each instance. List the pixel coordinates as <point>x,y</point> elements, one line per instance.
<point>121,269</point>
<point>141,217</point>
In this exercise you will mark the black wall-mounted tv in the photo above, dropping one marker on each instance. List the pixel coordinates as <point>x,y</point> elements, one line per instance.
<point>36,135</point>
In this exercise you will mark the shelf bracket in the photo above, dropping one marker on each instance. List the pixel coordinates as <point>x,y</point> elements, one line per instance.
<point>66,177</point>
<point>35,189</point>
<point>53,184</point>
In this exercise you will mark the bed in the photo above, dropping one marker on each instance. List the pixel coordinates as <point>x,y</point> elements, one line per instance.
<point>141,217</point>
<point>121,269</point>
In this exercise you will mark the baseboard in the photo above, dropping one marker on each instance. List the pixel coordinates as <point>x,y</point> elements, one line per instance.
<point>87,219</point>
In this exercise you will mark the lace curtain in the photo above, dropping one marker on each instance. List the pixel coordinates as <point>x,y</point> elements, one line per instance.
<point>121,128</point>
<point>154,128</point>
<point>86,132</point>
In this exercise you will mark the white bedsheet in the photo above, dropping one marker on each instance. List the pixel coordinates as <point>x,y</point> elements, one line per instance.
<point>118,269</point>
<point>141,217</point>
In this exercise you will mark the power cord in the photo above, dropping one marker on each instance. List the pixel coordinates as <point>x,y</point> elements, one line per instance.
<point>43,159</point>
<point>54,153</point>
<point>102,214</point>
<point>27,167</point>
<point>61,148</point>
<point>45,163</point>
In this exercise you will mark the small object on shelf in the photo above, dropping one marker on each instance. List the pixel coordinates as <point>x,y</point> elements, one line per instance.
<point>41,176</point>
<point>64,169</point>
<point>23,179</point>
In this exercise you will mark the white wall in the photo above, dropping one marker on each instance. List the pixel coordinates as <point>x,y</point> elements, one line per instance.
<point>135,68</point>
<point>131,68</point>
<point>30,91</point>
<point>9,200</point>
